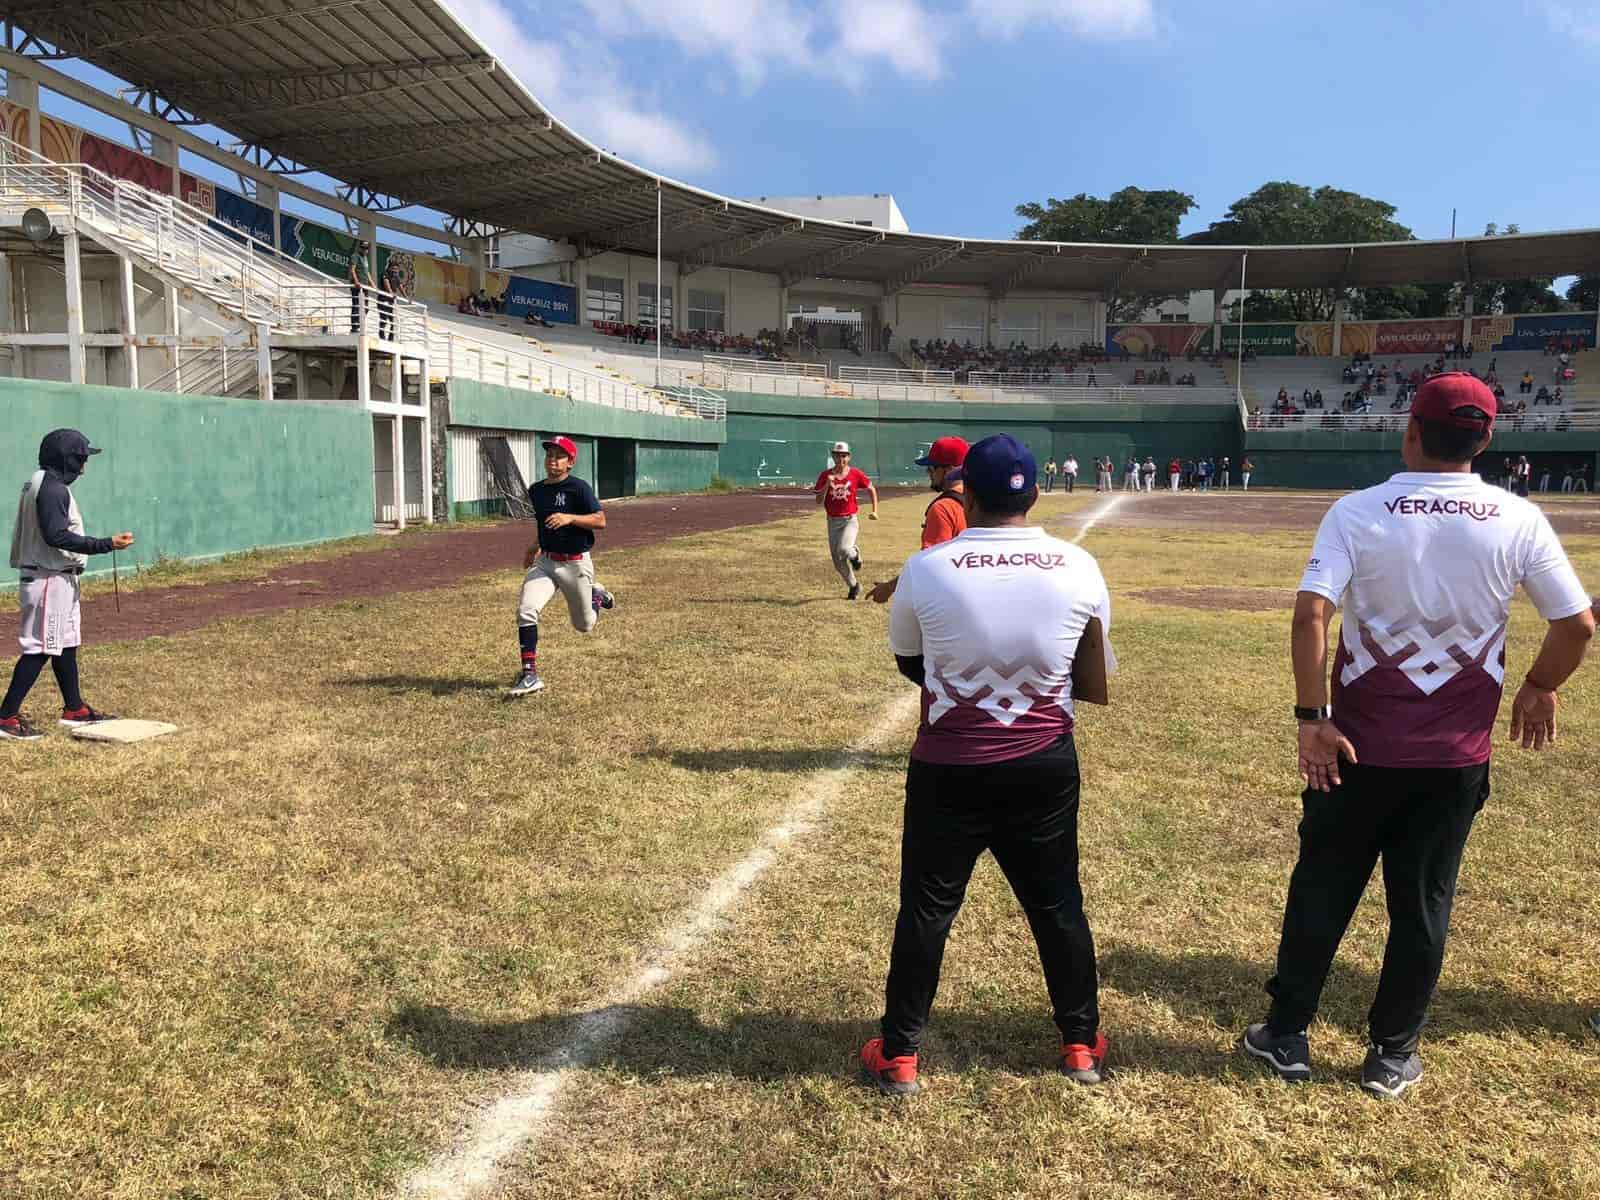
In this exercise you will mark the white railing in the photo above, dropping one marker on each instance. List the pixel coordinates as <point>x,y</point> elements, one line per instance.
<point>1392,422</point>
<point>894,375</point>
<point>462,357</point>
<point>760,383</point>
<point>759,366</point>
<point>238,272</point>
<point>1073,379</point>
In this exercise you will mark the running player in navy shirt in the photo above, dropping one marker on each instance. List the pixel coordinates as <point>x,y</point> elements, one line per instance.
<point>567,514</point>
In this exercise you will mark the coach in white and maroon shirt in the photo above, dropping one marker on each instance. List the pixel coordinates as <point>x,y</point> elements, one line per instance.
<point>990,624</point>
<point>1424,567</point>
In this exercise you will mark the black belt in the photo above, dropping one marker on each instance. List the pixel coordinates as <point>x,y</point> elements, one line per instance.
<point>51,570</point>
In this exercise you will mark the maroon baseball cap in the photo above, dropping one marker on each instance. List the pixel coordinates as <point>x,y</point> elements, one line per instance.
<point>946,452</point>
<point>1450,398</point>
<point>564,444</point>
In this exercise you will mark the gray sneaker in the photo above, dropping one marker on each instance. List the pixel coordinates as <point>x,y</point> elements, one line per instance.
<point>1388,1075</point>
<point>1288,1055</point>
<point>527,683</point>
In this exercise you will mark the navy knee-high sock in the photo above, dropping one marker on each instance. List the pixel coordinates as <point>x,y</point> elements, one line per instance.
<point>23,677</point>
<point>65,665</point>
<point>528,636</point>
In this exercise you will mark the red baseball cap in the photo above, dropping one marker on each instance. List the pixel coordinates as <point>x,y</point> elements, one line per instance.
<point>946,452</point>
<point>564,444</point>
<point>1450,398</point>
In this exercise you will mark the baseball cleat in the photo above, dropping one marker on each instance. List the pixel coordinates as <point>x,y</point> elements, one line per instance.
<point>1388,1075</point>
<point>891,1076</point>
<point>527,683</point>
<point>76,718</point>
<point>601,598</point>
<point>18,729</point>
<point>855,590</point>
<point>1085,1063</point>
<point>1289,1055</point>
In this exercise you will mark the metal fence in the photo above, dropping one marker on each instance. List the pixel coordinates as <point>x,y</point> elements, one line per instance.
<point>1395,422</point>
<point>894,375</point>
<point>761,366</point>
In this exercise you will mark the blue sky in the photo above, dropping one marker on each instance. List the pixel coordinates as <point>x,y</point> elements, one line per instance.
<point>964,108</point>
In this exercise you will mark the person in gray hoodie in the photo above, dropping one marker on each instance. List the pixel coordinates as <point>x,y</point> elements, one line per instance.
<point>50,550</point>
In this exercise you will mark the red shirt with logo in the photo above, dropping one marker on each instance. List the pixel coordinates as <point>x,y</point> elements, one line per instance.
<point>839,491</point>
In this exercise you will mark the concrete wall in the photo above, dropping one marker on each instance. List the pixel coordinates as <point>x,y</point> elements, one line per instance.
<point>673,467</point>
<point>782,441</point>
<point>193,476</point>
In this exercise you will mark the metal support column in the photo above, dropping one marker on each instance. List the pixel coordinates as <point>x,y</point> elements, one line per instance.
<point>264,360</point>
<point>175,356</point>
<point>397,434</point>
<point>76,367</point>
<point>130,321</point>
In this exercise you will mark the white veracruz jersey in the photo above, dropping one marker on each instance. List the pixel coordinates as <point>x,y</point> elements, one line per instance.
<point>996,615</point>
<point>1424,566</point>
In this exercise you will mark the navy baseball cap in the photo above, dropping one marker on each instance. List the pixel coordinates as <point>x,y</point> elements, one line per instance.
<point>999,467</point>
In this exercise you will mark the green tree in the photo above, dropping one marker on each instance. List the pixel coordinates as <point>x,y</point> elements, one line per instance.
<point>1513,295</point>
<point>1584,292</point>
<point>1284,213</point>
<point>1130,216</point>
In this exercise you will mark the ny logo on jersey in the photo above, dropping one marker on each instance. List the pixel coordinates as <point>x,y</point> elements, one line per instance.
<point>561,500</point>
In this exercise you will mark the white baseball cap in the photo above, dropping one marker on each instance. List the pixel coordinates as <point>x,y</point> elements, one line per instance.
<point>841,448</point>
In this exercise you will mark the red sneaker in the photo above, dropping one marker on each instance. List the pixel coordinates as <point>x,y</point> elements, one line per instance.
<point>891,1076</point>
<point>1085,1063</point>
<point>77,718</point>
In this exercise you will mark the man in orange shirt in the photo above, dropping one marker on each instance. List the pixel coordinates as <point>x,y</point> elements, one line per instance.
<point>947,515</point>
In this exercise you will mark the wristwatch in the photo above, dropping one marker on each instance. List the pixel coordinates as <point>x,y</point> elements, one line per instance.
<point>1313,714</point>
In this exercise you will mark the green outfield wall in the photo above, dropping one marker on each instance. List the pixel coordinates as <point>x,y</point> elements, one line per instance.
<point>196,476</point>
<point>622,453</point>
<point>780,441</point>
<point>1340,460</point>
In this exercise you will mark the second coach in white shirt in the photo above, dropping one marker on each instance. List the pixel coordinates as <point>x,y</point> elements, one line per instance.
<point>1424,567</point>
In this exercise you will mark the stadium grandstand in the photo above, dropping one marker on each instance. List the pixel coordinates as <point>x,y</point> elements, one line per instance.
<point>677,334</point>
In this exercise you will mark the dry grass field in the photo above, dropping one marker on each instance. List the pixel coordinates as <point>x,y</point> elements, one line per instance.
<point>301,948</point>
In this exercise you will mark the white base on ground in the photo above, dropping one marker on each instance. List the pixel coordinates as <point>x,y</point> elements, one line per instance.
<point>123,731</point>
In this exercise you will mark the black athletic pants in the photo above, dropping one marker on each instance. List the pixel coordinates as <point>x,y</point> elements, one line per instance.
<point>26,673</point>
<point>1026,813</point>
<point>1416,820</point>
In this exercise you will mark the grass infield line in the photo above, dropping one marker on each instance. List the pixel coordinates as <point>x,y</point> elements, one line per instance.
<point>513,1119</point>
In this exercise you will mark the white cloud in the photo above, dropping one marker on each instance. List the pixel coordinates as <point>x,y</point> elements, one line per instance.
<point>753,35</point>
<point>900,33</point>
<point>1573,21</point>
<point>581,86</point>
<point>1108,19</point>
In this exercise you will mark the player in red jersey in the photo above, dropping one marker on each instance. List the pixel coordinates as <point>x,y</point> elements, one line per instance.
<point>836,490</point>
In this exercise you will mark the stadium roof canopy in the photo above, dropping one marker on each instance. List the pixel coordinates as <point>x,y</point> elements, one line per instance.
<point>399,98</point>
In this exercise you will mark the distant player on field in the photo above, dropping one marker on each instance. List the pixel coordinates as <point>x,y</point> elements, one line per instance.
<point>836,491</point>
<point>946,516</point>
<point>567,515</point>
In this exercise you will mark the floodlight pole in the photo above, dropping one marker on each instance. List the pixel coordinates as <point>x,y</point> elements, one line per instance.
<point>658,283</point>
<point>1238,370</point>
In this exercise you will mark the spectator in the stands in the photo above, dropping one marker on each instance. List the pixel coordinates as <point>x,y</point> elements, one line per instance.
<point>1527,382</point>
<point>1316,399</point>
<point>536,318</point>
<point>1557,396</point>
<point>393,287</point>
<point>1305,398</point>
<point>360,281</point>
<point>1542,396</point>
<point>1283,397</point>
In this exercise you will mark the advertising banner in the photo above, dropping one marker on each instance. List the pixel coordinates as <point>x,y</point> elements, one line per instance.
<point>1314,337</point>
<point>1411,337</point>
<point>317,246</point>
<point>234,212</point>
<point>1176,338</point>
<point>1263,340</point>
<point>555,302</point>
<point>1533,331</point>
